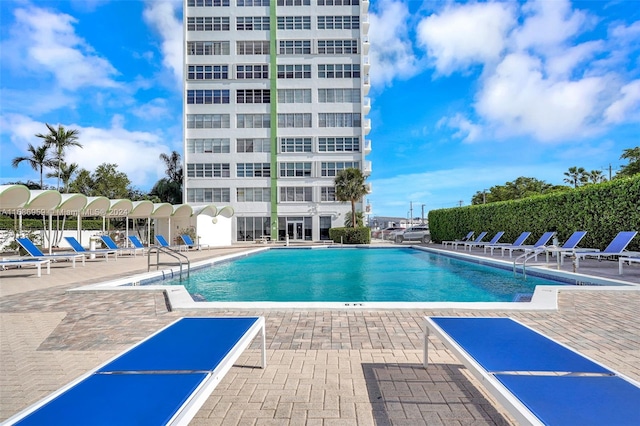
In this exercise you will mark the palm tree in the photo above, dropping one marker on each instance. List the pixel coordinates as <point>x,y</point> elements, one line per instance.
<point>65,173</point>
<point>576,176</point>
<point>38,160</point>
<point>596,176</point>
<point>349,185</point>
<point>174,166</point>
<point>61,139</point>
<point>169,189</point>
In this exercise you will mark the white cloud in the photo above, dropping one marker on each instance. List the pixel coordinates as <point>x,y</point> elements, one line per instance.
<point>465,129</point>
<point>391,53</point>
<point>44,41</point>
<point>163,16</point>
<point>627,106</point>
<point>463,35</point>
<point>154,109</point>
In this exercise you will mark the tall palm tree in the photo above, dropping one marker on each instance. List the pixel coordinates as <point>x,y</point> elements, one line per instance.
<point>174,166</point>
<point>60,139</point>
<point>38,160</point>
<point>169,189</point>
<point>575,176</point>
<point>596,176</point>
<point>349,185</point>
<point>65,173</point>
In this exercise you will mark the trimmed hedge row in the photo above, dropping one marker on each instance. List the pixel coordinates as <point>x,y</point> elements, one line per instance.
<point>361,235</point>
<point>602,210</point>
<point>35,224</point>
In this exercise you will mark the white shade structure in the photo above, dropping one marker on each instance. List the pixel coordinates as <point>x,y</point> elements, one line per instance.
<point>13,196</point>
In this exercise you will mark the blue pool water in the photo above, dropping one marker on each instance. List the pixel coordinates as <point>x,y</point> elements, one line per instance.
<point>356,275</point>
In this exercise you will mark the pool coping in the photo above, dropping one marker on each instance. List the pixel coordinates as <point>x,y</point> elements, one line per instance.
<point>544,298</point>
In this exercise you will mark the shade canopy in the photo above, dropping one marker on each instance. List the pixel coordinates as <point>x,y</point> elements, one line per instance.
<point>13,196</point>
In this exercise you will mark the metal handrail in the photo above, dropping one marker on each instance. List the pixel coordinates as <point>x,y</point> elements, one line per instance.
<point>173,253</point>
<point>526,256</point>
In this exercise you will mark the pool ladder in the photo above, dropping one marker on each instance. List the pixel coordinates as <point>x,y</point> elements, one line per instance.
<point>181,258</point>
<point>526,256</point>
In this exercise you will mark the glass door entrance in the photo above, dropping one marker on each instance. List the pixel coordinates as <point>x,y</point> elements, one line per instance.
<point>295,229</point>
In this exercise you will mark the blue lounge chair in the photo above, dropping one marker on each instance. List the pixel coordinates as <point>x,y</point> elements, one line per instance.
<point>19,263</point>
<point>517,243</point>
<point>538,245</point>
<point>164,379</point>
<point>493,241</point>
<point>616,247</point>
<point>455,244</point>
<point>188,241</point>
<point>463,240</point>
<point>538,380</point>
<point>77,247</point>
<point>108,241</point>
<point>137,244</point>
<point>34,251</point>
<point>162,241</point>
<point>569,246</point>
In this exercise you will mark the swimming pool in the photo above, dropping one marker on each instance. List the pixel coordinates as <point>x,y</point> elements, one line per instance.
<point>357,275</point>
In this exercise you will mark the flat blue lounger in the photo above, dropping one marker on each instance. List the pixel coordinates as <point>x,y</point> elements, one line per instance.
<point>164,379</point>
<point>78,248</point>
<point>35,252</point>
<point>538,380</point>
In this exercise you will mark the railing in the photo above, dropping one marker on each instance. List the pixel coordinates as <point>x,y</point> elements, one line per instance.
<point>181,258</point>
<point>526,256</point>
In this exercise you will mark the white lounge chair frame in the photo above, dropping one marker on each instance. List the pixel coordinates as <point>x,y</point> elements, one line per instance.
<point>634,258</point>
<point>35,262</point>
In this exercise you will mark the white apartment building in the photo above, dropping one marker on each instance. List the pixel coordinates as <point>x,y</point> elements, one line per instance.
<point>274,106</point>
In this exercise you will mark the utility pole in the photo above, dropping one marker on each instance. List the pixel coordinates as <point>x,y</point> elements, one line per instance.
<point>411,213</point>
<point>423,214</point>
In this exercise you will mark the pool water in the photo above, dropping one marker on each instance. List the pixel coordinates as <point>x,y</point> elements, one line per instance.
<point>356,275</point>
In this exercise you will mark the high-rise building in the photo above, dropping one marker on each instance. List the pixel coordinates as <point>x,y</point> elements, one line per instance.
<point>274,107</point>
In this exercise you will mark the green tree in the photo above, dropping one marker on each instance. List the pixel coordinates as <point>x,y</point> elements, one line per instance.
<point>349,186</point>
<point>633,168</point>
<point>348,222</point>
<point>106,181</point>
<point>576,176</point>
<point>60,139</point>
<point>65,174</point>
<point>169,189</point>
<point>522,187</point>
<point>38,160</point>
<point>595,176</point>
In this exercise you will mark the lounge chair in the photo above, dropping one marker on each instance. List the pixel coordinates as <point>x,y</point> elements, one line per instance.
<point>34,251</point>
<point>190,244</point>
<point>615,248</point>
<point>455,244</point>
<point>164,379</point>
<point>77,247</point>
<point>162,241</point>
<point>19,263</point>
<point>517,243</point>
<point>569,245</point>
<point>538,380</point>
<point>493,241</point>
<point>630,258</point>
<point>463,240</point>
<point>538,245</point>
<point>108,241</point>
<point>137,244</point>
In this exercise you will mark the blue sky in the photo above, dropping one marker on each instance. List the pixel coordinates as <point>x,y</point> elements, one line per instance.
<point>465,95</point>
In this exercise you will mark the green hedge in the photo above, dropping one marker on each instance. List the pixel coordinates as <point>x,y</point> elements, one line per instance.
<point>602,210</point>
<point>361,235</point>
<point>7,223</point>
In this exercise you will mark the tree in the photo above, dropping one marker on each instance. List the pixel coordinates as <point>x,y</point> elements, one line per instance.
<point>349,186</point>
<point>633,168</point>
<point>106,181</point>
<point>522,187</point>
<point>38,160</point>
<point>60,139</point>
<point>595,176</point>
<point>348,222</point>
<point>169,189</point>
<point>576,176</point>
<point>64,173</point>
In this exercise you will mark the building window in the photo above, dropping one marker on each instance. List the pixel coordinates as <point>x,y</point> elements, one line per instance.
<point>208,72</point>
<point>338,70</point>
<point>253,195</point>
<point>208,195</point>
<point>250,170</point>
<point>294,2</point>
<point>207,48</point>
<point>252,23</point>
<point>247,72</point>
<point>249,47</point>
<point>338,22</point>
<point>296,194</point>
<point>294,47</point>
<point>208,121</point>
<point>338,119</point>
<point>339,96</point>
<point>207,97</point>
<point>338,2</point>
<point>208,23</point>
<point>337,47</point>
<point>249,3</point>
<point>331,168</point>
<point>294,71</point>
<point>294,120</point>
<point>207,3</point>
<point>346,144</point>
<point>214,146</point>
<point>294,96</point>
<point>253,96</point>
<point>295,169</point>
<point>252,228</point>
<point>325,225</point>
<point>208,170</point>
<point>295,144</point>
<point>294,22</point>
<point>253,121</point>
<point>328,193</point>
<point>253,145</point>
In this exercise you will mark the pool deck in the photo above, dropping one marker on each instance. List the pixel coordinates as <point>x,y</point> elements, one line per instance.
<point>325,367</point>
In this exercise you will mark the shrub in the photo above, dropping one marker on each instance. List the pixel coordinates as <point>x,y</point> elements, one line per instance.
<point>350,235</point>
